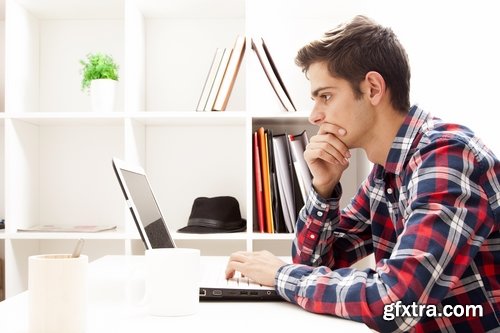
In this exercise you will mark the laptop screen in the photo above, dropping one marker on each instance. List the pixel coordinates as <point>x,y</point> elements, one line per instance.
<point>149,214</point>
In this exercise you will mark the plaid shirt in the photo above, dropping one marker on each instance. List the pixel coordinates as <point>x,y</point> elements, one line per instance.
<point>431,218</point>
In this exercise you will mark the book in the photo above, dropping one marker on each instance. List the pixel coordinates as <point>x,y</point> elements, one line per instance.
<point>266,181</point>
<point>232,69</point>
<point>278,76</point>
<point>268,175</point>
<point>277,211</point>
<point>298,144</point>
<point>272,74</point>
<point>64,228</point>
<point>209,81</point>
<point>259,190</point>
<point>282,159</point>
<point>224,70</point>
<point>282,179</point>
<point>221,70</point>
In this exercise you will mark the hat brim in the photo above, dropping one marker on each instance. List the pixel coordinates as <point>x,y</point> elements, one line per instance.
<point>193,229</point>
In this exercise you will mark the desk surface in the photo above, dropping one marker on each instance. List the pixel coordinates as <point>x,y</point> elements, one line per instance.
<point>109,312</point>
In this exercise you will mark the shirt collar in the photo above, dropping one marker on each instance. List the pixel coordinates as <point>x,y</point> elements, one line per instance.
<point>400,149</point>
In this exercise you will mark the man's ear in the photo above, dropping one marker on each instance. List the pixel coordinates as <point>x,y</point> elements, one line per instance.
<point>375,87</point>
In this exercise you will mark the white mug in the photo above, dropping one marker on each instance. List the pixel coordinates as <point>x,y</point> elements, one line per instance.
<point>172,281</point>
<point>57,289</point>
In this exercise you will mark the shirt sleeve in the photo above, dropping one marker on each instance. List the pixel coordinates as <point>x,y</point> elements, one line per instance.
<point>443,231</point>
<point>326,236</point>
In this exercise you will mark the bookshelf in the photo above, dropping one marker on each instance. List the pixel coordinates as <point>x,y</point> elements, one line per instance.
<point>2,140</point>
<point>56,153</point>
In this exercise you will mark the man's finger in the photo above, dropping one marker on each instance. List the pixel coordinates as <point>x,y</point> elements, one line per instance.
<point>232,267</point>
<point>240,256</point>
<point>331,128</point>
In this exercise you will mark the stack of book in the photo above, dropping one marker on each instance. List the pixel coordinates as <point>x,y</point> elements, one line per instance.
<point>224,69</point>
<point>281,177</point>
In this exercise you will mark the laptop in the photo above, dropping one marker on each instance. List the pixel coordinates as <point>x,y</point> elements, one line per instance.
<point>154,233</point>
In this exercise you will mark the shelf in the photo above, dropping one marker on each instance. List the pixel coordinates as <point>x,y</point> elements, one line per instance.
<point>57,153</point>
<point>193,30</point>
<point>117,235</point>
<point>45,41</point>
<point>271,237</point>
<point>147,118</point>
<point>189,118</point>
<point>288,116</point>
<point>298,120</point>
<point>68,118</point>
<point>217,236</point>
<point>111,235</point>
<point>135,235</point>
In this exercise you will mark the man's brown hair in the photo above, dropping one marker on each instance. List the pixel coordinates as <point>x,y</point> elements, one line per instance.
<point>355,48</point>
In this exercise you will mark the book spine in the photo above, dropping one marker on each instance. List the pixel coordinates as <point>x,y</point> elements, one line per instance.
<point>297,145</point>
<point>266,180</point>
<point>216,61</point>
<point>233,67</point>
<point>218,79</point>
<point>259,192</point>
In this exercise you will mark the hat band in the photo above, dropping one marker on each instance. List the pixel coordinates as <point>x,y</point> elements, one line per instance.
<point>201,222</point>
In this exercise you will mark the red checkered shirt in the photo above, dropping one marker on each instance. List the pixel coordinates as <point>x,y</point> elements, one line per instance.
<point>431,217</point>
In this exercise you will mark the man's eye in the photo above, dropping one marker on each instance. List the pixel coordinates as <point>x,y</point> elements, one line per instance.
<point>326,98</point>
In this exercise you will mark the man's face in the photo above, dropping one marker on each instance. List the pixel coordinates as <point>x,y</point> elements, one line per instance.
<point>335,103</point>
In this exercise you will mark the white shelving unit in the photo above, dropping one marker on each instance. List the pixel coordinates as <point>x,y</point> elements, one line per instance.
<point>57,154</point>
<point>2,154</point>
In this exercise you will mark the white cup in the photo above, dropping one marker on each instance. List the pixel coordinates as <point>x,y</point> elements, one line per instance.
<point>172,281</point>
<point>57,285</point>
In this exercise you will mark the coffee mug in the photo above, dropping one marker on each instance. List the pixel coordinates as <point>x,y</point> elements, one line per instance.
<point>171,280</point>
<point>57,289</point>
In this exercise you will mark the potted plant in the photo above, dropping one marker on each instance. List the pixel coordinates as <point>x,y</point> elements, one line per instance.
<point>99,77</point>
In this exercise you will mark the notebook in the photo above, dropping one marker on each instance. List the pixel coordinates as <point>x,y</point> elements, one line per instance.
<point>154,233</point>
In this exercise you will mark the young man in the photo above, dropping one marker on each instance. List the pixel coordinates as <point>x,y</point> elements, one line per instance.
<point>429,209</point>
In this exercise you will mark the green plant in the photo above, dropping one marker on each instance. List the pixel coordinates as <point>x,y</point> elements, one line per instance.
<point>98,66</point>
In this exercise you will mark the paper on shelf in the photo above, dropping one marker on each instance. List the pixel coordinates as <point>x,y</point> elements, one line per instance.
<point>64,228</point>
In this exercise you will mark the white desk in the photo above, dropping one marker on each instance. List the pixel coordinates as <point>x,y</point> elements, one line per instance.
<point>109,312</point>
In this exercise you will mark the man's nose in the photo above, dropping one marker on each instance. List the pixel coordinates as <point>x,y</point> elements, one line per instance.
<point>316,117</point>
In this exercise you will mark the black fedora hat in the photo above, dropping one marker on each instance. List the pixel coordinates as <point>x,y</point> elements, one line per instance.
<point>213,215</point>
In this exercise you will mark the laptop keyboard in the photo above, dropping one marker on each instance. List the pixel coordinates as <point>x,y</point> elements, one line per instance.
<point>241,282</point>
<point>215,276</point>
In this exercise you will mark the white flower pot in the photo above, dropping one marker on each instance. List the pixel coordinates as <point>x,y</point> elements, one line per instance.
<point>102,95</point>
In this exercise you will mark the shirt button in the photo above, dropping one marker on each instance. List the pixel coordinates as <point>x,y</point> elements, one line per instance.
<point>312,236</point>
<point>323,205</point>
<point>389,191</point>
<point>319,214</point>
